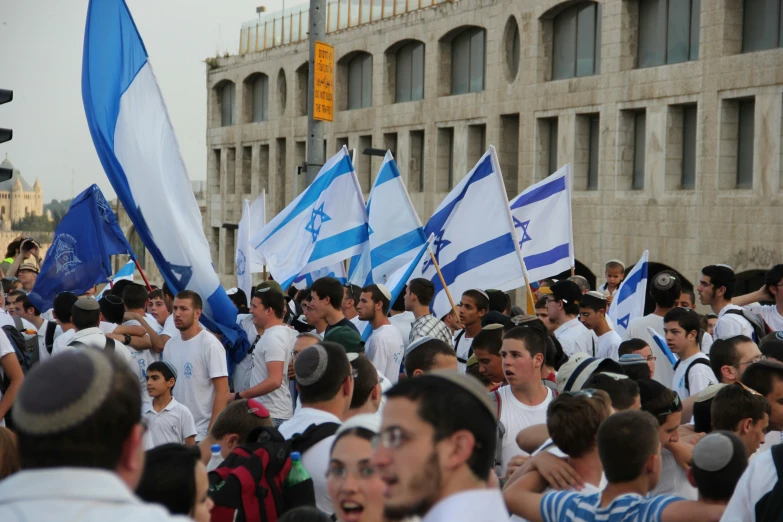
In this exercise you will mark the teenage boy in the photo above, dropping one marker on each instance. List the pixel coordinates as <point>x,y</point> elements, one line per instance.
<point>716,289</point>
<point>563,308</point>
<point>692,373</point>
<point>771,291</point>
<point>486,349</point>
<point>418,296</point>
<point>327,299</point>
<point>592,313</point>
<point>742,411</point>
<point>543,314</point>
<point>474,306</point>
<point>167,420</point>
<point>385,347</point>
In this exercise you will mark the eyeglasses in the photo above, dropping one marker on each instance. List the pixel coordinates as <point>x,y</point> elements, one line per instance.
<point>391,438</point>
<point>754,360</point>
<point>674,407</point>
<point>748,389</point>
<point>361,472</point>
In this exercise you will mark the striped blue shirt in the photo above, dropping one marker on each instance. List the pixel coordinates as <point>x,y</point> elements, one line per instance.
<point>567,506</point>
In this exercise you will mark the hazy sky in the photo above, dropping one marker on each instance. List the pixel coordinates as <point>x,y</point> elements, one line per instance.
<point>41,61</point>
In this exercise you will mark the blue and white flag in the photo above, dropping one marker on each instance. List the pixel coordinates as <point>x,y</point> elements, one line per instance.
<point>628,302</point>
<point>253,219</point>
<point>661,342</point>
<point>79,257</point>
<point>125,273</point>
<point>475,242</point>
<point>542,217</point>
<point>336,270</point>
<point>396,233</point>
<point>325,224</point>
<point>139,152</point>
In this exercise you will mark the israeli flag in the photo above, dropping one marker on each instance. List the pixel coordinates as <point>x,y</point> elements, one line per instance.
<point>336,270</point>
<point>123,274</point>
<point>628,302</point>
<point>325,224</point>
<point>253,218</point>
<point>139,152</point>
<point>542,217</point>
<point>396,232</point>
<point>661,343</point>
<point>475,241</point>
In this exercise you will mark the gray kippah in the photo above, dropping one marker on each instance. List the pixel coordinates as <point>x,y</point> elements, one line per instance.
<point>664,281</point>
<point>87,303</point>
<point>418,342</point>
<point>471,385</point>
<point>713,452</point>
<point>171,368</point>
<point>631,358</point>
<point>60,394</point>
<point>310,365</point>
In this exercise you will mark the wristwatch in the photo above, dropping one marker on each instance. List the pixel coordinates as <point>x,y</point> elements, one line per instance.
<point>127,339</point>
<point>237,396</point>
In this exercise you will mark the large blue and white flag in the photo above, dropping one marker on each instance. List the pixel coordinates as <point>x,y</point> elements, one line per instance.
<point>139,152</point>
<point>246,258</point>
<point>475,242</point>
<point>336,270</point>
<point>396,232</point>
<point>325,224</point>
<point>628,302</point>
<point>125,273</point>
<point>542,216</point>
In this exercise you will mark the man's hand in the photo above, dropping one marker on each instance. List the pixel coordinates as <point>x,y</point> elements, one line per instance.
<point>131,316</point>
<point>557,472</point>
<point>514,464</point>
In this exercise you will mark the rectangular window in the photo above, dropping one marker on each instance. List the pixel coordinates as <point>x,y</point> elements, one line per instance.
<point>678,37</point>
<point>689,129</point>
<point>564,45</point>
<point>260,98</point>
<point>652,32</point>
<point>477,143</point>
<point>364,164</point>
<point>300,158</point>
<point>417,73</point>
<point>403,75</point>
<point>416,165</point>
<point>367,81</point>
<point>639,143</point>
<point>231,170</point>
<point>281,174</point>
<point>760,25</point>
<point>585,40</point>
<point>445,160</point>
<point>592,152</point>
<point>668,31</point>
<point>460,65</point>
<point>390,143</point>
<point>230,251</point>
<point>263,168</point>
<point>247,161</point>
<point>214,171</point>
<point>695,29</point>
<point>745,136</point>
<point>552,153</point>
<point>509,152</point>
<point>477,61</point>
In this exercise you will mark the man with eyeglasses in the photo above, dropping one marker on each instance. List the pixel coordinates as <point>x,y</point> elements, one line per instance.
<point>729,358</point>
<point>771,291</point>
<point>436,449</point>
<point>766,377</point>
<point>640,347</point>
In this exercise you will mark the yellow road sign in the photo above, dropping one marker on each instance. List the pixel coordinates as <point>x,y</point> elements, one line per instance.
<point>323,90</point>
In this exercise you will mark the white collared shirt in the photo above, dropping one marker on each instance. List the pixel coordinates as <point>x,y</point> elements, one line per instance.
<point>74,494</point>
<point>575,338</point>
<point>474,505</point>
<point>730,325</point>
<point>174,423</point>
<point>43,353</point>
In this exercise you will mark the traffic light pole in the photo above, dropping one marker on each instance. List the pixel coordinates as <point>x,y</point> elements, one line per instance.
<point>315,128</point>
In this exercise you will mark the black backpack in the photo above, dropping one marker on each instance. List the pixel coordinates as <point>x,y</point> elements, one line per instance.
<point>51,327</point>
<point>760,328</point>
<point>249,485</point>
<point>24,354</point>
<point>698,360</point>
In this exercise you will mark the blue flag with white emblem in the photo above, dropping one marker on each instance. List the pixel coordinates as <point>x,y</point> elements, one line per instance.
<point>140,155</point>
<point>542,217</point>
<point>628,302</point>
<point>79,256</point>
<point>396,233</point>
<point>475,242</point>
<point>325,224</point>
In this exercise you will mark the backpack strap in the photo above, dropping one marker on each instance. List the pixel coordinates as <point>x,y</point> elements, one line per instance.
<point>754,320</point>
<point>498,402</point>
<point>314,434</point>
<point>698,360</point>
<point>18,323</point>
<point>460,335</point>
<point>51,327</point>
<point>109,346</point>
<point>773,506</point>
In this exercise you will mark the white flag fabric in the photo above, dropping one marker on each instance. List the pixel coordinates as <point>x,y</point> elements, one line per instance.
<point>125,273</point>
<point>325,224</point>
<point>542,216</point>
<point>336,270</point>
<point>475,242</point>
<point>253,218</point>
<point>628,302</point>
<point>395,230</point>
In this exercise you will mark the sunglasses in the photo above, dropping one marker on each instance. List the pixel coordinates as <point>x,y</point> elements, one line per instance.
<point>673,407</point>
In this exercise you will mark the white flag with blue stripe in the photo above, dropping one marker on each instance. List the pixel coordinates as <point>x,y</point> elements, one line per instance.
<point>396,232</point>
<point>246,258</point>
<point>325,224</point>
<point>125,273</point>
<point>628,302</point>
<point>475,242</point>
<point>542,217</point>
<point>661,342</point>
<point>336,270</point>
<point>137,147</point>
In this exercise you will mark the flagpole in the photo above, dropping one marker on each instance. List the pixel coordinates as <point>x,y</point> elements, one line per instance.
<point>263,274</point>
<point>572,271</point>
<point>144,277</point>
<point>445,286</point>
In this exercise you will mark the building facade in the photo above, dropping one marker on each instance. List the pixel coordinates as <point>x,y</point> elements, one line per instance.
<point>669,112</point>
<point>17,198</point>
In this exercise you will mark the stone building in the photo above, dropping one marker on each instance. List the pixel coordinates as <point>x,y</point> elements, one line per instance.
<point>669,112</point>
<point>17,198</point>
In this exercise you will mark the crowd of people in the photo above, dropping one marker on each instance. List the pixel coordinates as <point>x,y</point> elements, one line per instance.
<point>127,407</point>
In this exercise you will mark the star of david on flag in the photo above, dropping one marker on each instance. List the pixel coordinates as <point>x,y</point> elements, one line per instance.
<point>317,219</point>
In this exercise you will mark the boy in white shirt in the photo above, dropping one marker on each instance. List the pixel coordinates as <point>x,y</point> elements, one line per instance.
<point>716,289</point>
<point>771,291</point>
<point>692,373</point>
<point>167,420</point>
<point>384,347</point>
<point>592,313</point>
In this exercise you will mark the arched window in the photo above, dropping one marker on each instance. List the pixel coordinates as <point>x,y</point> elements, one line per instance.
<point>360,81</point>
<point>668,31</point>
<point>227,98</point>
<point>467,61</point>
<point>577,41</point>
<point>761,25</point>
<point>410,72</point>
<point>261,98</point>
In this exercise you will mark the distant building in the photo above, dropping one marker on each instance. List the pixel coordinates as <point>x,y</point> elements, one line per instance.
<point>17,198</point>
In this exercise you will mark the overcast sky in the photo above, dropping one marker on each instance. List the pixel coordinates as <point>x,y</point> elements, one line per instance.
<point>41,61</point>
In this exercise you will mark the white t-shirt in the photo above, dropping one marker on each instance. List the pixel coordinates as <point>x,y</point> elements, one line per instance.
<point>609,345</point>
<point>673,479</point>
<point>6,349</point>
<point>242,377</point>
<point>43,353</point>
<point>770,439</point>
<point>637,329</point>
<point>174,423</point>
<point>515,417</point>
<point>402,322</point>
<point>699,377</point>
<point>62,341</point>
<point>385,349</point>
<point>729,325</point>
<point>197,362</point>
<point>154,324</point>
<point>575,338</point>
<point>706,343</point>
<point>462,346</point>
<point>770,315</point>
<point>759,478</point>
<point>94,338</point>
<point>108,328</point>
<point>274,346</point>
<point>141,359</point>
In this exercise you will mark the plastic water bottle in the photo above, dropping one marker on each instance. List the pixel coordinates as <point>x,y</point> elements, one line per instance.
<point>298,472</point>
<point>216,459</point>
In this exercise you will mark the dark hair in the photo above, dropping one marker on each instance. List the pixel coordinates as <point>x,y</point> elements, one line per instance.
<point>195,299</point>
<point>625,441</point>
<point>27,304</point>
<point>62,306</point>
<point>481,300</point>
<point>272,299</point>
<point>636,372</point>
<point>118,287</point>
<point>631,346</point>
<point>239,298</point>
<point>541,303</point>
<point>9,455</point>
<point>733,404</point>
<point>719,485</point>
<point>331,288</point>
<point>169,477</point>
<point>158,294</point>
<point>761,376</point>
<point>423,289</point>
<point>499,301</point>
<point>686,318</point>
<point>13,247</point>
<point>722,276</point>
<point>438,399</point>
<point>772,349</point>
<point>490,340</point>
<point>534,341</point>
<point>423,356</point>
<point>167,291</point>
<point>573,421</point>
<point>337,370</point>
<point>366,380</point>
<point>112,308</point>
<point>623,392</point>
<point>724,352</point>
<point>399,304</point>
<point>237,418</point>
<point>773,277</point>
<point>17,293</point>
<point>362,433</point>
<point>666,298</point>
<point>135,296</point>
<point>656,398</point>
<point>581,282</point>
<point>377,297</point>
<point>83,319</point>
<point>163,369</point>
<point>96,442</point>
<point>690,293</point>
<point>354,292</point>
<point>305,514</point>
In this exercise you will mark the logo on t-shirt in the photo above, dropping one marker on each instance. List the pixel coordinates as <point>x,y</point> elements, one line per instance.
<point>143,370</point>
<point>188,370</point>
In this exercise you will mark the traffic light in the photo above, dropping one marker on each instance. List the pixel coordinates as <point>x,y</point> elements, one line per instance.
<point>6,134</point>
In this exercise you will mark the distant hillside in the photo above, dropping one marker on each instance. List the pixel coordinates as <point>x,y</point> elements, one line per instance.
<point>58,207</point>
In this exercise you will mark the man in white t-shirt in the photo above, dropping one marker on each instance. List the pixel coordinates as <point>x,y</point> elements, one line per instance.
<point>46,330</point>
<point>753,492</point>
<point>525,400</point>
<point>351,296</point>
<point>592,313</point>
<point>61,310</point>
<point>200,361</point>
<point>472,308</point>
<point>384,347</point>
<point>563,307</point>
<point>692,373</point>
<point>716,288</point>
<point>688,300</point>
<point>766,378</point>
<point>771,291</point>
<point>401,319</point>
<point>269,376</point>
